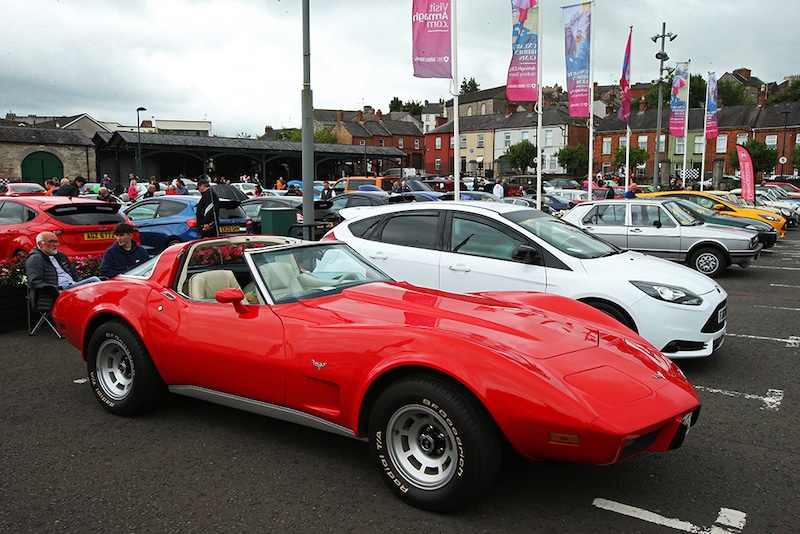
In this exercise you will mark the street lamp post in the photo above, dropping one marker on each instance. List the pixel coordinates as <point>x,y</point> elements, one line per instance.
<point>139,143</point>
<point>783,148</point>
<point>662,57</point>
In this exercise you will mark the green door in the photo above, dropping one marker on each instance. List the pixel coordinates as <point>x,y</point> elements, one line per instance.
<point>40,166</point>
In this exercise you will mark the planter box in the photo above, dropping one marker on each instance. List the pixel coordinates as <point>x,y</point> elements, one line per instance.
<point>13,313</point>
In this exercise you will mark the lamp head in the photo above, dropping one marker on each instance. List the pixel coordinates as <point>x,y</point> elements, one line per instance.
<point>672,36</point>
<point>662,56</point>
<point>141,109</point>
<point>655,38</point>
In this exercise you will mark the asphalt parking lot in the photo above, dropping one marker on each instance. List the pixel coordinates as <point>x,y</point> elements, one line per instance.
<point>68,466</point>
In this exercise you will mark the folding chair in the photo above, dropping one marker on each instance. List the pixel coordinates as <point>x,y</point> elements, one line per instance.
<point>34,311</point>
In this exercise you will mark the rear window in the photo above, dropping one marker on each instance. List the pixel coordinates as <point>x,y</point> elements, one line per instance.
<point>232,213</point>
<point>28,188</point>
<point>87,214</point>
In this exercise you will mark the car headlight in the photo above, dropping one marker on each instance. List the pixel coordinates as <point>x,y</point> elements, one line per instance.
<point>673,294</point>
<point>769,217</point>
<point>785,212</point>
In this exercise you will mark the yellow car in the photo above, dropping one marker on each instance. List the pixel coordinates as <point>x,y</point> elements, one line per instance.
<point>721,205</point>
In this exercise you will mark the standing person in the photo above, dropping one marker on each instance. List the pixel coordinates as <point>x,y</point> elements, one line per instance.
<point>259,192</point>
<point>133,193</point>
<point>71,189</point>
<point>107,183</point>
<point>104,194</point>
<point>294,191</point>
<point>207,210</point>
<point>327,193</point>
<point>497,190</point>
<point>123,255</point>
<point>151,191</point>
<point>504,183</point>
<point>50,186</point>
<point>180,187</point>
<point>154,183</point>
<point>609,192</point>
<point>279,185</point>
<point>172,189</point>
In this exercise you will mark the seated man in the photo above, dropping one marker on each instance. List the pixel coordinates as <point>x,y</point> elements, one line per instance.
<point>123,255</point>
<point>47,268</point>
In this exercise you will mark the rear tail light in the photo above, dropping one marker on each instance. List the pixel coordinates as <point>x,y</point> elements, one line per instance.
<point>191,223</point>
<point>328,237</point>
<point>249,223</point>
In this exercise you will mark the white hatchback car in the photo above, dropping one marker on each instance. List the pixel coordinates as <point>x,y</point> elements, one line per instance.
<point>490,246</point>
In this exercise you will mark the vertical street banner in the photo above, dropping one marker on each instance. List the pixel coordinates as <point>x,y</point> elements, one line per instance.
<point>679,100</point>
<point>746,174</point>
<point>431,46</point>
<point>624,112</point>
<point>522,82</point>
<point>712,126</point>
<point>577,47</point>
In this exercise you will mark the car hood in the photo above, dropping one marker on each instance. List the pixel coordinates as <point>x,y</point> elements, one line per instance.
<point>632,265</point>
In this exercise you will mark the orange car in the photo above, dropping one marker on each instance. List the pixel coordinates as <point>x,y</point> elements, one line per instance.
<point>708,200</point>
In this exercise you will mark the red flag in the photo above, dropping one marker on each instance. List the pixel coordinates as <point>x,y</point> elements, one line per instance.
<point>624,112</point>
<point>747,175</point>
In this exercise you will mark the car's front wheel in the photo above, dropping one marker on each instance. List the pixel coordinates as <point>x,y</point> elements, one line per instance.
<point>121,372</point>
<point>708,261</point>
<point>435,445</point>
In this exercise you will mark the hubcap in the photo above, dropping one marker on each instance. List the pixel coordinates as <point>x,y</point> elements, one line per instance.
<point>114,369</point>
<point>707,263</point>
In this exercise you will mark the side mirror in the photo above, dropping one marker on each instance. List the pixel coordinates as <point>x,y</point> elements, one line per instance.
<point>525,254</point>
<point>231,295</point>
<point>657,224</point>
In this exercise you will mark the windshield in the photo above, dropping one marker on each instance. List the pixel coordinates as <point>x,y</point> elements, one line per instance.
<point>307,272</point>
<point>683,217</point>
<point>697,209</point>
<point>562,235</point>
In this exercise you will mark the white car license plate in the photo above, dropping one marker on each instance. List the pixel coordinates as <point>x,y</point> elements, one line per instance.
<point>721,314</point>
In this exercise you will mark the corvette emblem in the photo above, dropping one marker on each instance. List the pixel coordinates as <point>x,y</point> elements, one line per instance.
<point>318,365</point>
<point>659,376</point>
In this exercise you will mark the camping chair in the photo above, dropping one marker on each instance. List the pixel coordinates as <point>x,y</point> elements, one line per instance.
<point>40,311</point>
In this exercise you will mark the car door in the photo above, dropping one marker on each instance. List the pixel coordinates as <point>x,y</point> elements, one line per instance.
<point>406,246</point>
<point>476,256</point>
<point>607,220</point>
<point>13,235</point>
<point>653,231</point>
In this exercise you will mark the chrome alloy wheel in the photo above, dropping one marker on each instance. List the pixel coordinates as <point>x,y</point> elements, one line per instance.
<point>114,369</point>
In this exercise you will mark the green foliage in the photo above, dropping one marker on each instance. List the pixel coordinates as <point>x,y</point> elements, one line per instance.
<point>764,159</point>
<point>792,94</point>
<point>733,94</point>
<point>396,105</point>
<point>243,135</point>
<point>637,156</point>
<point>574,158</point>
<point>521,155</point>
<point>697,93</point>
<point>414,107</point>
<point>325,135</point>
<point>469,86</point>
<point>794,159</point>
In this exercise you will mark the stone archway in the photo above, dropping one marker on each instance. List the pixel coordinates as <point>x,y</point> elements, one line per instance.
<point>39,166</point>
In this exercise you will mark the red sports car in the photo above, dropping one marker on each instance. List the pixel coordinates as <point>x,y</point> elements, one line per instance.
<point>438,382</point>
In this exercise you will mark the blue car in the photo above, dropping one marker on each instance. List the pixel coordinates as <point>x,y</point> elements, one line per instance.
<point>166,220</point>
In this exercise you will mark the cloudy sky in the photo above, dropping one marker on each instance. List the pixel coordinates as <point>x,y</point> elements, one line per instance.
<point>239,63</point>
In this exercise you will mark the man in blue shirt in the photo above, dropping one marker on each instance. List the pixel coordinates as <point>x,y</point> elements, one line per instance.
<point>123,255</point>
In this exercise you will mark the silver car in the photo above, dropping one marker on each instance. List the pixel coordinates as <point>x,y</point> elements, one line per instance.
<point>663,228</point>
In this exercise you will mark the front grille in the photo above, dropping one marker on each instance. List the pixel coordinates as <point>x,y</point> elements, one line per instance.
<point>682,345</point>
<point>639,444</point>
<point>712,324</point>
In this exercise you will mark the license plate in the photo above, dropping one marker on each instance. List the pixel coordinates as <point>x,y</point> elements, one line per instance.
<point>687,422</point>
<point>229,229</point>
<point>325,225</point>
<point>98,236</point>
<point>721,314</point>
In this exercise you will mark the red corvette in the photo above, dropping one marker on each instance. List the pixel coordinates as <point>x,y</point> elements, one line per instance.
<point>437,382</point>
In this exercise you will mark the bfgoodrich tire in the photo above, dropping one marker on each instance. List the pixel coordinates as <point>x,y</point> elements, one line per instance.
<point>435,445</point>
<point>122,375</point>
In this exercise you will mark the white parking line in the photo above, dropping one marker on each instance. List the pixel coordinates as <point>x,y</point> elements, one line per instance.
<point>778,308</point>
<point>728,520</point>
<point>784,285</point>
<point>772,400</point>
<point>791,341</point>
<point>776,268</point>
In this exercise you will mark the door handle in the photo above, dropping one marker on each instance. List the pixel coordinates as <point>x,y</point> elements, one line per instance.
<point>379,256</point>
<point>636,230</point>
<point>460,268</point>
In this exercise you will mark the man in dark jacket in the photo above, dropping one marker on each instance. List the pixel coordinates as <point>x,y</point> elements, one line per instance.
<point>207,210</point>
<point>49,271</point>
<point>71,189</point>
<point>123,255</point>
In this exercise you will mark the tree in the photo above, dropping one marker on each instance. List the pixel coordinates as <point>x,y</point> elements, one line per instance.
<point>413,107</point>
<point>324,135</point>
<point>396,105</point>
<point>697,93</point>
<point>733,94</point>
<point>574,158</point>
<point>243,135</point>
<point>521,156</point>
<point>637,157</point>
<point>794,159</point>
<point>792,94</point>
<point>764,159</point>
<point>470,86</point>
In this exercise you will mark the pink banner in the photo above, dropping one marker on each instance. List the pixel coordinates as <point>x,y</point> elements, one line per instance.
<point>712,127</point>
<point>431,47</point>
<point>679,98</point>
<point>577,47</point>
<point>522,83</point>
<point>747,174</point>
<point>624,112</point>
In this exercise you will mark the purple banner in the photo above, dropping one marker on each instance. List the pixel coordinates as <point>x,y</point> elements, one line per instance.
<point>577,47</point>
<point>712,127</point>
<point>678,101</point>
<point>624,112</point>
<point>431,47</point>
<point>746,174</point>
<point>522,83</point>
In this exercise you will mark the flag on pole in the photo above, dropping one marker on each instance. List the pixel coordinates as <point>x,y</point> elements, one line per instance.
<point>523,73</point>
<point>430,30</point>
<point>624,112</point>
<point>747,174</point>
<point>577,47</point>
<point>679,99</point>
<point>712,128</point>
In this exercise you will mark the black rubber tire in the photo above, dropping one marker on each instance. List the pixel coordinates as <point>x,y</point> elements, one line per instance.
<point>614,312</point>
<point>121,373</point>
<point>709,261</point>
<point>435,445</point>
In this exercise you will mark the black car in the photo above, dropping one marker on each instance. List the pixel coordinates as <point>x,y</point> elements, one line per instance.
<point>325,217</point>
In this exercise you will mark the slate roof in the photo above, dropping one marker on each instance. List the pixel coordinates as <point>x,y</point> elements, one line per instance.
<point>550,117</point>
<point>43,136</point>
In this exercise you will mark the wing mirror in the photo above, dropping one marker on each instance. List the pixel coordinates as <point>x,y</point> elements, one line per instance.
<point>525,254</point>
<point>657,224</point>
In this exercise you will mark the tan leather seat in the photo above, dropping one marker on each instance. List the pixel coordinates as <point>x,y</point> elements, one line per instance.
<point>204,286</point>
<point>281,280</point>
